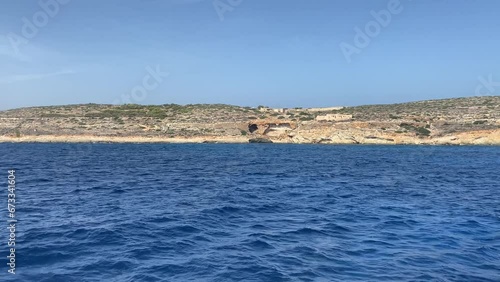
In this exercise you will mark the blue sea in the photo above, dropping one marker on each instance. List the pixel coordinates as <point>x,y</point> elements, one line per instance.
<point>252,212</point>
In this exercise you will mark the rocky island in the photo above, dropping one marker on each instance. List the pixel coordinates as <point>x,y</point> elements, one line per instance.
<point>459,121</point>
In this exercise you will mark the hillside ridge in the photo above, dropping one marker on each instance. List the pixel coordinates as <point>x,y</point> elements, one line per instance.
<point>465,120</point>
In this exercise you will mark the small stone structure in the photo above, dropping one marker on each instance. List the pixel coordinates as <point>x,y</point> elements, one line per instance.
<point>280,110</point>
<point>274,110</point>
<point>334,117</point>
<point>324,109</point>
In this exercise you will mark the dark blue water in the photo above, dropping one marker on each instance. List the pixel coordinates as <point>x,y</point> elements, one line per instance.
<point>106,212</point>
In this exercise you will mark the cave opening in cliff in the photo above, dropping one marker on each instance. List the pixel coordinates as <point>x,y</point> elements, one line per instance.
<point>252,128</point>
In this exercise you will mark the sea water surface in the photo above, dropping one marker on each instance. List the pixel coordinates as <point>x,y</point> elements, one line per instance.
<point>252,212</point>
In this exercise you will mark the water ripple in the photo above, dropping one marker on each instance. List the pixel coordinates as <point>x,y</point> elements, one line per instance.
<point>207,212</point>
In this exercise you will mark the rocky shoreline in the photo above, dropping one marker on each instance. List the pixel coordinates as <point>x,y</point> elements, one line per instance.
<point>459,121</point>
<point>471,138</point>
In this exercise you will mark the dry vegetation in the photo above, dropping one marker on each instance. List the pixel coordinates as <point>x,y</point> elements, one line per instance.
<point>420,119</point>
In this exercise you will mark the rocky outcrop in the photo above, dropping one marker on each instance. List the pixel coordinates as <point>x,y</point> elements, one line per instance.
<point>259,140</point>
<point>271,127</point>
<point>474,120</point>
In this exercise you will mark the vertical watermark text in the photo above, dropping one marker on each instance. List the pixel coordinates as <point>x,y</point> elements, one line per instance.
<point>11,221</point>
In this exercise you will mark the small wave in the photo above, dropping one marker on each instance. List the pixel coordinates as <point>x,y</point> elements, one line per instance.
<point>103,265</point>
<point>223,210</point>
<point>54,278</point>
<point>306,231</point>
<point>161,219</point>
<point>201,238</point>
<point>258,226</point>
<point>336,228</point>
<point>118,191</point>
<point>398,224</point>
<point>97,236</point>
<point>376,243</point>
<point>258,245</point>
<point>184,229</point>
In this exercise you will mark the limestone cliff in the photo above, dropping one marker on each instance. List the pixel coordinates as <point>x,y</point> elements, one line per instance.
<point>474,120</point>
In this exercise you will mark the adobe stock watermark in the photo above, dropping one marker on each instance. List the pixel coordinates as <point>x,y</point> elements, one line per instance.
<point>223,6</point>
<point>32,26</point>
<point>12,220</point>
<point>372,29</point>
<point>487,86</point>
<point>150,82</point>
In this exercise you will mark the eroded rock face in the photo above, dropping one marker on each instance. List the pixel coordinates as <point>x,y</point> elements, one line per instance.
<point>473,120</point>
<point>274,128</point>
<point>253,127</point>
<point>278,129</point>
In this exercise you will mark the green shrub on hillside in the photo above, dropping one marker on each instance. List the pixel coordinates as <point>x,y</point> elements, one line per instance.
<point>423,131</point>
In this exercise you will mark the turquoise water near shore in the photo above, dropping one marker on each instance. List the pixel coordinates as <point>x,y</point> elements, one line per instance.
<point>253,212</point>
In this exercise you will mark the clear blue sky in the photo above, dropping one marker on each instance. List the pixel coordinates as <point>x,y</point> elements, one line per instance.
<point>281,53</point>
